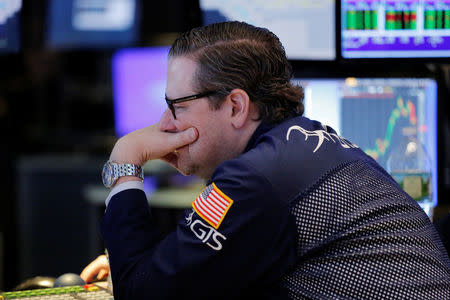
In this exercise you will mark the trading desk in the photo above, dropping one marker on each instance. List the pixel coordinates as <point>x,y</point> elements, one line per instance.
<point>87,291</point>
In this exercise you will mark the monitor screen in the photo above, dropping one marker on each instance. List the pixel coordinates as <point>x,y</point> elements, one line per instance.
<point>305,27</point>
<point>9,25</point>
<point>139,83</point>
<point>374,114</point>
<point>395,28</point>
<point>92,24</point>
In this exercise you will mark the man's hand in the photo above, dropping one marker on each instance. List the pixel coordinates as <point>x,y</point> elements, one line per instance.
<point>150,143</point>
<point>98,269</point>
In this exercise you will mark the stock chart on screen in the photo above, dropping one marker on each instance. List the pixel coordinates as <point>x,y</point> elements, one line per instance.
<point>375,112</point>
<point>395,28</point>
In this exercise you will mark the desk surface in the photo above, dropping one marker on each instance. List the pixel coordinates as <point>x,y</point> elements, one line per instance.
<point>164,197</point>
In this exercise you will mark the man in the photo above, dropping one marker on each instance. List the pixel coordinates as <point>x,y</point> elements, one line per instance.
<point>291,210</point>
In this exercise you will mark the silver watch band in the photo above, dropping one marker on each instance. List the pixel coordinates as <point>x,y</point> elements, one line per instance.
<point>127,170</point>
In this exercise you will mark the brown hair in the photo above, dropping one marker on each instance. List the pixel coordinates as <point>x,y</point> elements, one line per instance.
<point>238,55</point>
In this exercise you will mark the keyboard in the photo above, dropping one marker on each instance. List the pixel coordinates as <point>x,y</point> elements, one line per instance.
<point>88,291</point>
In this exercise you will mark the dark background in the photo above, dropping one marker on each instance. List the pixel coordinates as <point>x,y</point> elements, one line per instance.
<point>57,128</point>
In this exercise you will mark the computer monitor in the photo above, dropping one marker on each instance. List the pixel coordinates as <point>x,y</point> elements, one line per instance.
<point>139,83</point>
<point>395,28</point>
<point>9,25</point>
<point>306,28</point>
<point>373,112</point>
<point>81,24</point>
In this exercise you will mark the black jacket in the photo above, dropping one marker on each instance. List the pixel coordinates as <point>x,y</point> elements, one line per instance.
<point>301,214</point>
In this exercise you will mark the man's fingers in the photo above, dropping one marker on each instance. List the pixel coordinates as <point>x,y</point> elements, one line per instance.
<point>150,143</point>
<point>88,273</point>
<point>173,141</point>
<point>98,267</point>
<point>183,138</point>
<point>102,274</point>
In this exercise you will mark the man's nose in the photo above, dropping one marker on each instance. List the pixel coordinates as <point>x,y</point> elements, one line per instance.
<point>167,122</point>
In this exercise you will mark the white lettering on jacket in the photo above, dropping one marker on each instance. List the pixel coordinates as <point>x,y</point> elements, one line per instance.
<point>208,235</point>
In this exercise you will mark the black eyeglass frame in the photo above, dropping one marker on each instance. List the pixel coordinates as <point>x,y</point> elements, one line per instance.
<point>170,103</point>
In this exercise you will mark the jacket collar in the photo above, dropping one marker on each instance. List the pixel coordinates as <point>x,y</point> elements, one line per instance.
<point>262,128</point>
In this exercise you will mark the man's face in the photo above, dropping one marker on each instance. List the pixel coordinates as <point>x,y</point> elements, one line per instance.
<point>213,144</point>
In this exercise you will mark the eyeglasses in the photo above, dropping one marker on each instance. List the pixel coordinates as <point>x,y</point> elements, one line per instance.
<point>170,103</point>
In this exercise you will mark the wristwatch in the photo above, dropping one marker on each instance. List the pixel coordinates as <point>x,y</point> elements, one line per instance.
<point>113,171</point>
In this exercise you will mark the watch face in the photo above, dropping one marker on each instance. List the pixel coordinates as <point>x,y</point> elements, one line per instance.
<point>107,174</point>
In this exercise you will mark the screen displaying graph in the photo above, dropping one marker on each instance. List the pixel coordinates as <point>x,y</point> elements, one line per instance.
<point>395,109</point>
<point>377,113</point>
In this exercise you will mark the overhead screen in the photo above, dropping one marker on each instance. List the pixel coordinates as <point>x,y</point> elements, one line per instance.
<point>305,27</point>
<point>395,28</point>
<point>373,113</point>
<point>92,24</point>
<point>9,25</point>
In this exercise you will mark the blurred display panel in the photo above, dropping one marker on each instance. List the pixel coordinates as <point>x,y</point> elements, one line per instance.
<point>305,27</point>
<point>139,84</point>
<point>9,25</point>
<point>92,24</point>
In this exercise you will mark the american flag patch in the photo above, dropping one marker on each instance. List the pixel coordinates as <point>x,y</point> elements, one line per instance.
<point>212,205</point>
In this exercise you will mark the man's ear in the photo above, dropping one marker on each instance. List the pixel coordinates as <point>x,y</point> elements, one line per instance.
<point>240,107</point>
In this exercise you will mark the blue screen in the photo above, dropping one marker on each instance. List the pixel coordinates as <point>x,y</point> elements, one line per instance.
<point>9,25</point>
<point>92,24</point>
